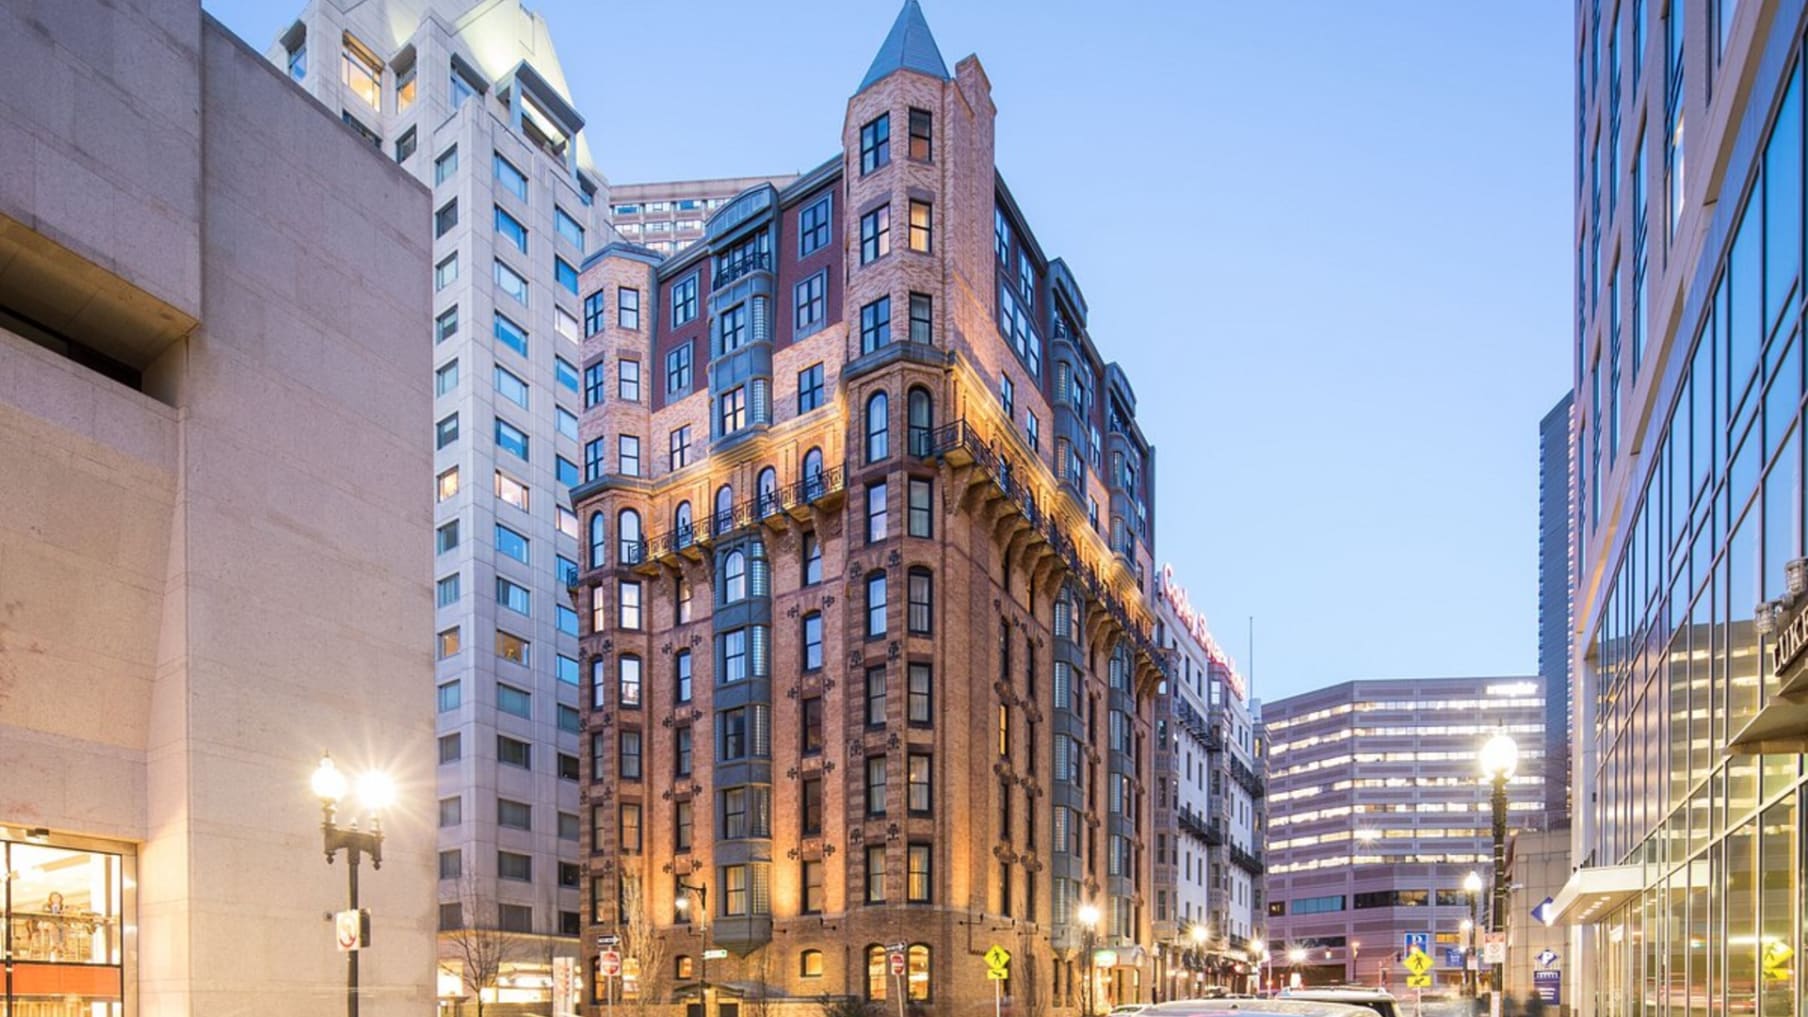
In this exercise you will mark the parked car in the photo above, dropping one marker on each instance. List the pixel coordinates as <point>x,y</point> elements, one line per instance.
<point>1367,996</point>
<point>1245,1006</point>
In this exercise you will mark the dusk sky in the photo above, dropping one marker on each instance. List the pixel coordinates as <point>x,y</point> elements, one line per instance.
<point>1329,242</point>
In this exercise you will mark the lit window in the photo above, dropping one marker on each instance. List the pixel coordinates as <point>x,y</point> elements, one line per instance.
<point>922,216</point>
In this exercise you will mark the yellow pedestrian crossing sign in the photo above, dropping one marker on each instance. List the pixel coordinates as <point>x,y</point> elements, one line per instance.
<point>998,963</point>
<point>1418,962</point>
<point>1418,981</point>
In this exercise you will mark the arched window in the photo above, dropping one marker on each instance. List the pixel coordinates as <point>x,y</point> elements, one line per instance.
<point>916,971</point>
<point>724,520</point>
<point>681,525</point>
<point>627,535</point>
<point>921,413</point>
<point>599,541</point>
<point>876,976</point>
<point>768,488</point>
<point>878,427</point>
<point>815,484</point>
<point>734,577</point>
<point>809,963</point>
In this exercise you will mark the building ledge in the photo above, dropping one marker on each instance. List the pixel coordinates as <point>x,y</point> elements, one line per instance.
<point>1780,727</point>
<point>1596,891</point>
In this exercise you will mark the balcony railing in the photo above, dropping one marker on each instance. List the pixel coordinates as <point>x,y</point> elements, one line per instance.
<point>1211,831</point>
<point>1002,472</point>
<point>766,505</point>
<point>1247,861</point>
<point>1248,778</point>
<point>730,269</point>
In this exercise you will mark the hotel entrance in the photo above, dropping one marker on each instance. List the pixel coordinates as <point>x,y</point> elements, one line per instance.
<point>61,927</point>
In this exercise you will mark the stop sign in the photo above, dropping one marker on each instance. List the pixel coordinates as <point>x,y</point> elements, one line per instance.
<point>609,964</point>
<point>897,963</point>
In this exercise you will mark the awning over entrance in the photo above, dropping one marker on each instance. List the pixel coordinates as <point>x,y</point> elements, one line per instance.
<point>1780,727</point>
<point>1796,688</point>
<point>1594,892</point>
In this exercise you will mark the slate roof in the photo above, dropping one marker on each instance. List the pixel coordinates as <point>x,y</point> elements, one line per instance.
<point>908,46</point>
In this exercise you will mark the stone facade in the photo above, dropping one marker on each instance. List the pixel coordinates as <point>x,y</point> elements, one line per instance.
<point>866,670</point>
<point>214,523</point>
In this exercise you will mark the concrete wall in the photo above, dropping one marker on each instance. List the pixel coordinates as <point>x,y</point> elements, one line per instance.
<point>203,587</point>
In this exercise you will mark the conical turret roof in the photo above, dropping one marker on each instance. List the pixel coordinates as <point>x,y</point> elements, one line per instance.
<point>908,46</point>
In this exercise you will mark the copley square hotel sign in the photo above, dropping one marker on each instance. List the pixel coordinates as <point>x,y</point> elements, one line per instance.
<point>1194,620</point>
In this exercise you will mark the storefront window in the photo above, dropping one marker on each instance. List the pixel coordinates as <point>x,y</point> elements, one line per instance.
<point>62,931</point>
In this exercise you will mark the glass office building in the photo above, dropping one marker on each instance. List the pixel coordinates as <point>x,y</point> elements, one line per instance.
<point>1688,896</point>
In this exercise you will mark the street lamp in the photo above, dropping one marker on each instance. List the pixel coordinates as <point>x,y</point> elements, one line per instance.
<point>1089,923</point>
<point>1295,957</point>
<point>1355,961</point>
<point>376,792</point>
<point>1499,759</point>
<point>1472,885</point>
<point>1259,950</point>
<point>683,904</point>
<point>1200,933</point>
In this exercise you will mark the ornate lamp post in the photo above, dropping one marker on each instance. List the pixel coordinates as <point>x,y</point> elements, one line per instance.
<point>1088,916</point>
<point>1472,885</point>
<point>1259,951</point>
<point>683,904</point>
<point>1199,934</point>
<point>1295,957</point>
<point>376,792</point>
<point>1355,961</point>
<point>1499,759</point>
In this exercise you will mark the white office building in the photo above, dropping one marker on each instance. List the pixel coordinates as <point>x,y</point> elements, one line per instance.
<point>1209,806</point>
<point>468,96</point>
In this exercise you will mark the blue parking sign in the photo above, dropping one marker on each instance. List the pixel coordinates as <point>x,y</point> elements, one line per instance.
<point>1418,941</point>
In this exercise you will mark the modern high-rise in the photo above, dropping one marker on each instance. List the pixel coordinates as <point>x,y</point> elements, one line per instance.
<point>1210,800</point>
<point>214,519</point>
<point>1691,707</point>
<point>869,647</point>
<point>468,96</point>
<point>668,217</point>
<point>1554,560</point>
<point>1377,813</point>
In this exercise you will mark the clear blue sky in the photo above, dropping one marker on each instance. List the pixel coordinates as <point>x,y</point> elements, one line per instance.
<point>1328,241</point>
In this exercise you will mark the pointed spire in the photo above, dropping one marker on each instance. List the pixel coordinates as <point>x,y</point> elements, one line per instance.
<point>908,46</point>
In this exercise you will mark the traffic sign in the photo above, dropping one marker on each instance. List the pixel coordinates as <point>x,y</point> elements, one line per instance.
<point>1418,981</point>
<point>1547,958</point>
<point>602,941</point>
<point>609,964</point>
<point>716,954</point>
<point>1420,941</point>
<point>1418,962</point>
<point>1494,948</point>
<point>351,929</point>
<point>998,963</point>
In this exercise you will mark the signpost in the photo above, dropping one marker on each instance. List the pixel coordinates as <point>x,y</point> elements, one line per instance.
<point>608,964</point>
<point>351,929</point>
<point>998,968</point>
<point>1548,984</point>
<point>1494,948</point>
<point>1418,967</point>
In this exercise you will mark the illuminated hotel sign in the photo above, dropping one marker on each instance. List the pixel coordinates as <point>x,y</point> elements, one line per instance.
<point>1194,622</point>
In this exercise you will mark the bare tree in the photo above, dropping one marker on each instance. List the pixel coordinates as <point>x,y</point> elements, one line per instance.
<point>641,941</point>
<point>759,998</point>
<point>479,947</point>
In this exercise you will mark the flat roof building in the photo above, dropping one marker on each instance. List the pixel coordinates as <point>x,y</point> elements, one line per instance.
<point>1377,813</point>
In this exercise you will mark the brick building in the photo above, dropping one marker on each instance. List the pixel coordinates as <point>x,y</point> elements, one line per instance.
<point>868,641</point>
